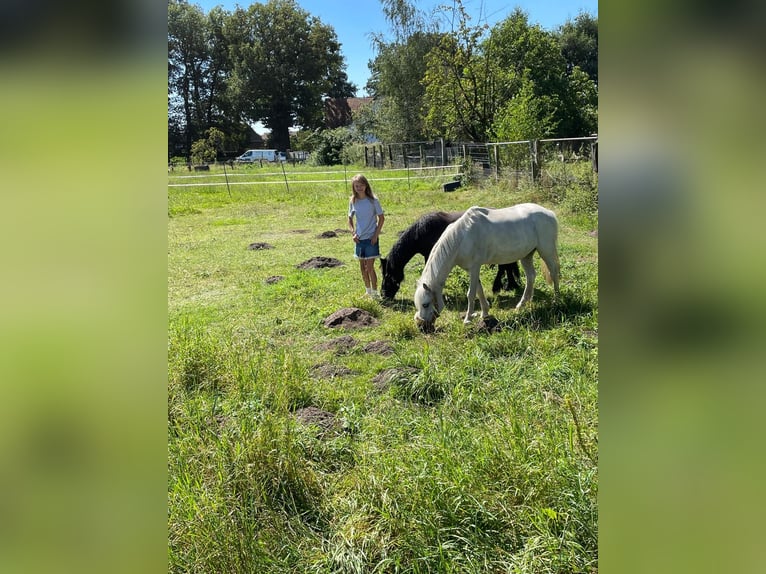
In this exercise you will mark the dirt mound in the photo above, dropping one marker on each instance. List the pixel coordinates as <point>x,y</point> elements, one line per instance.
<point>273,279</point>
<point>327,235</point>
<point>350,318</point>
<point>384,379</point>
<point>320,262</point>
<point>315,416</point>
<point>380,347</point>
<point>489,324</point>
<point>341,345</point>
<point>330,371</point>
<point>259,246</point>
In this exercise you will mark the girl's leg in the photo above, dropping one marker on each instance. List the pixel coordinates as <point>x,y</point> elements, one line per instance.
<point>373,277</point>
<point>365,278</point>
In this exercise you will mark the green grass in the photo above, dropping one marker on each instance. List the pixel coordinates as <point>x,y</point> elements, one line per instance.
<point>478,455</point>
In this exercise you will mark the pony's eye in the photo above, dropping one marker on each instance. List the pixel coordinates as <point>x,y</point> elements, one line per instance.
<point>425,305</point>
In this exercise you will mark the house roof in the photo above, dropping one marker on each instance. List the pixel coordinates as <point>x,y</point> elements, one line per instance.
<point>338,111</point>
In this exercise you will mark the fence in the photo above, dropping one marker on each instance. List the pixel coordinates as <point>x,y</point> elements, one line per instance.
<point>290,177</point>
<point>517,159</point>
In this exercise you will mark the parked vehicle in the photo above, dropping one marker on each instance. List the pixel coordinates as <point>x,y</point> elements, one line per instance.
<point>270,155</point>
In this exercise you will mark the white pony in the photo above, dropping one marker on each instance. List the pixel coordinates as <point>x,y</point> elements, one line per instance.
<point>482,236</point>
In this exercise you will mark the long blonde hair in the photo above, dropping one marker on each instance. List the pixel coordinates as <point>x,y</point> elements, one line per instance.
<point>367,189</point>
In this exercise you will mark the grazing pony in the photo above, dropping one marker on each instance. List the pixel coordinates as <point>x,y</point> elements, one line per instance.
<point>420,237</point>
<point>482,236</point>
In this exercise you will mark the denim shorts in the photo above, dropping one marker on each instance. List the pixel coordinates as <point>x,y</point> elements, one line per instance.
<point>366,250</point>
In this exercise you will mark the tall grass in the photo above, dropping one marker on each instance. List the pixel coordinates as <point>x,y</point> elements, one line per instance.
<point>477,453</point>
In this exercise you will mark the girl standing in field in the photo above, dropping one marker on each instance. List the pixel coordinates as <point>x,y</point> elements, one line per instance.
<point>369,220</point>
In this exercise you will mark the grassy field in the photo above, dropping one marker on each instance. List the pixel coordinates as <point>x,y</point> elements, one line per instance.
<point>293,447</point>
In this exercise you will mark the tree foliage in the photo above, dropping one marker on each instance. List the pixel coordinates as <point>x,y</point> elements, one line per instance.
<point>206,150</point>
<point>460,100</point>
<point>275,63</point>
<point>473,74</point>
<point>271,62</point>
<point>397,71</point>
<point>285,62</point>
<point>579,44</point>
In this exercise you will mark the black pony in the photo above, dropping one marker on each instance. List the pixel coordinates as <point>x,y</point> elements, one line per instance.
<point>420,237</point>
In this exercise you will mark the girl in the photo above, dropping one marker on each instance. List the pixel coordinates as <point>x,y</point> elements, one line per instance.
<point>369,220</point>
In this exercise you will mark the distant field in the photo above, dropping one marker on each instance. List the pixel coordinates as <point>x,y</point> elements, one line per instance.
<point>293,447</point>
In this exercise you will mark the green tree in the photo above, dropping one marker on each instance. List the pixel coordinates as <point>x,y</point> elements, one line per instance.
<point>529,57</point>
<point>198,72</point>
<point>188,60</point>
<point>460,82</point>
<point>285,63</point>
<point>333,147</point>
<point>527,116</point>
<point>397,72</point>
<point>206,150</point>
<point>579,44</point>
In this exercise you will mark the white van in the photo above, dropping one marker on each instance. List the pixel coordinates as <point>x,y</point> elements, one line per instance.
<point>252,155</point>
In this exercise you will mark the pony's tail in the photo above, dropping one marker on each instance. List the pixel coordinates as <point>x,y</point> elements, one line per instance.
<point>546,271</point>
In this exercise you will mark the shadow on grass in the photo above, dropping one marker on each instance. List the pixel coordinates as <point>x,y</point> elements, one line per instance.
<point>542,314</point>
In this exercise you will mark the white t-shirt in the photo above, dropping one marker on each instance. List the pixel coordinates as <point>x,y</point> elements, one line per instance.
<point>366,211</point>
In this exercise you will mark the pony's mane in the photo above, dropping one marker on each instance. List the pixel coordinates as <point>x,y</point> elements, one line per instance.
<point>407,245</point>
<point>439,264</point>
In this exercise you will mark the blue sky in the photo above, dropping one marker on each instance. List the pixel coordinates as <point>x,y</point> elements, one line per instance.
<point>355,20</point>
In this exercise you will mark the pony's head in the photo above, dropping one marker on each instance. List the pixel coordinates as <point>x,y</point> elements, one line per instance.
<point>428,306</point>
<point>391,279</point>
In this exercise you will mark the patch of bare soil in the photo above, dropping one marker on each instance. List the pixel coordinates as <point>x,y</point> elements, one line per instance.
<point>325,420</point>
<point>273,279</point>
<point>593,233</point>
<point>387,377</point>
<point>320,262</point>
<point>327,235</point>
<point>341,345</point>
<point>259,246</point>
<point>330,371</point>
<point>380,347</point>
<point>300,231</point>
<point>489,324</point>
<point>350,318</point>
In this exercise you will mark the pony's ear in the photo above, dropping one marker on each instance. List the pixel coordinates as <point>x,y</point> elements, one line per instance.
<point>426,288</point>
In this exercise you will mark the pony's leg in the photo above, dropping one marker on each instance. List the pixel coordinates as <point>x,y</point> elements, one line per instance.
<point>475,284</point>
<point>529,271</point>
<point>482,301</point>
<point>514,276</point>
<point>497,284</point>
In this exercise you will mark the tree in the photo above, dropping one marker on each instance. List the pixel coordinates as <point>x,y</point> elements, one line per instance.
<point>460,82</point>
<point>187,63</point>
<point>396,83</point>
<point>285,63</point>
<point>398,70</point>
<point>531,58</point>
<point>206,150</point>
<point>579,44</point>
<point>526,116</point>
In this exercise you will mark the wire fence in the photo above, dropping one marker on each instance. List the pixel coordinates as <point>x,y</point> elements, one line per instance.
<point>538,161</point>
<point>517,160</point>
<point>227,177</point>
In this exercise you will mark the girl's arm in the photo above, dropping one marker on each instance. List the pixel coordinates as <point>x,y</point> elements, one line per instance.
<point>381,219</point>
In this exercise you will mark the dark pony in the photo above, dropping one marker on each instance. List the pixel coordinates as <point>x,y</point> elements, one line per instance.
<point>420,237</point>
